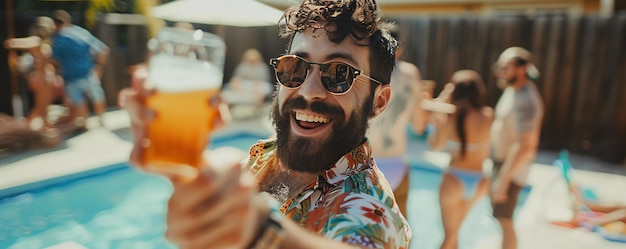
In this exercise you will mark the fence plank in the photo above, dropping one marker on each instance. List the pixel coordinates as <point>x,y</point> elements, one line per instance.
<point>597,83</point>
<point>580,110</point>
<point>621,81</point>
<point>539,49</point>
<point>616,51</point>
<point>562,115</point>
<point>551,75</point>
<point>420,30</point>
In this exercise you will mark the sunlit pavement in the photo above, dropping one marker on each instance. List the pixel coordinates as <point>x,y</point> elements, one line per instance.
<point>548,198</point>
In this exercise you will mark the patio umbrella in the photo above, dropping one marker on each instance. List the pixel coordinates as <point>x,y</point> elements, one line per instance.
<point>239,13</point>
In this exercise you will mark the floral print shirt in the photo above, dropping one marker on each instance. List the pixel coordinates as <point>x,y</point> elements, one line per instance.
<point>351,202</point>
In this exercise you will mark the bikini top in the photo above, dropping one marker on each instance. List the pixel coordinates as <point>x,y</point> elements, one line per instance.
<point>452,145</point>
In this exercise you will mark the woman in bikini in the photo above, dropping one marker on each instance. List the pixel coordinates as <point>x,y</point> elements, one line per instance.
<point>462,122</point>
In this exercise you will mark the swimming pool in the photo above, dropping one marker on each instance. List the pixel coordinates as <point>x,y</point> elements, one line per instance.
<point>115,207</point>
<point>124,208</point>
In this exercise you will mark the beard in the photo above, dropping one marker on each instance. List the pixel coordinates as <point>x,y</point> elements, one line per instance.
<point>504,82</point>
<point>511,81</point>
<point>311,155</point>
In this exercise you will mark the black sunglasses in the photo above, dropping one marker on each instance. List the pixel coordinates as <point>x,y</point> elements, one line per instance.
<point>337,77</point>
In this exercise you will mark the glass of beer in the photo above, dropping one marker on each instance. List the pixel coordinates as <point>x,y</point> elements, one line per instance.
<point>186,71</point>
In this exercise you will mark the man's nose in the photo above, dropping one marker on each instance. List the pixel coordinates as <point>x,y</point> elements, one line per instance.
<point>312,87</point>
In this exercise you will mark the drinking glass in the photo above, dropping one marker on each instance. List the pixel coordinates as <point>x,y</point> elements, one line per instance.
<point>186,71</point>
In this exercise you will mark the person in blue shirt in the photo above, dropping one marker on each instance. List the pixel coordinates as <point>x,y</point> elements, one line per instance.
<point>80,57</point>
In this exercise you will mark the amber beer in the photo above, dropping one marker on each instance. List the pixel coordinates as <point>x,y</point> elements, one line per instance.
<point>184,85</point>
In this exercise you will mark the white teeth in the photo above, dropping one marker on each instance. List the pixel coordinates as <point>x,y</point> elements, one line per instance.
<point>311,118</point>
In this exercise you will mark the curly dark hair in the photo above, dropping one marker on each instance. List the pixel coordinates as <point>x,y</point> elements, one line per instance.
<point>356,19</point>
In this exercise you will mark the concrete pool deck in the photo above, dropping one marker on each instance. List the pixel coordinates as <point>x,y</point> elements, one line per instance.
<point>111,144</point>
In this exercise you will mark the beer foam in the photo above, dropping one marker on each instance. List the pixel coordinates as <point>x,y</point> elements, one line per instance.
<point>179,74</point>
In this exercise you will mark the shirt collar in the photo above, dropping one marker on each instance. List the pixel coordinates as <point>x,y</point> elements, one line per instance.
<point>352,163</point>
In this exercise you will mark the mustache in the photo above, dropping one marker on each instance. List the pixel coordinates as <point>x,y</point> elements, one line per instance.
<point>317,106</point>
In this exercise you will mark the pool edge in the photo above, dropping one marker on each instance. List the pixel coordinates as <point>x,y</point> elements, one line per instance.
<point>28,187</point>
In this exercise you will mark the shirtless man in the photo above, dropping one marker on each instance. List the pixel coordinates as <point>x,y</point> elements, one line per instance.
<point>387,133</point>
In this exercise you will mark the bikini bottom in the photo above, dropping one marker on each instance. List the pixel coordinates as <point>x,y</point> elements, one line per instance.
<point>468,178</point>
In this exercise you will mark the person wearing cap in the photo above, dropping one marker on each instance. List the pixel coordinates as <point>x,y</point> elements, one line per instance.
<point>514,135</point>
<point>81,58</point>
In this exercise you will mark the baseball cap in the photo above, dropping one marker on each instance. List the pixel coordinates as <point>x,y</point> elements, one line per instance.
<point>62,16</point>
<point>519,53</point>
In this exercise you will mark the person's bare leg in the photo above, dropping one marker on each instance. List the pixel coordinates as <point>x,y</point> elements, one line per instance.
<point>402,194</point>
<point>452,214</point>
<point>509,238</point>
<point>43,97</point>
<point>99,108</point>
<point>80,113</point>
<point>459,210</point>
<point>604,208</point>
<point>617,215</point>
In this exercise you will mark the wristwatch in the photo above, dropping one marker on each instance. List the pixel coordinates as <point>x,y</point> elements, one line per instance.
<point>271,234</point>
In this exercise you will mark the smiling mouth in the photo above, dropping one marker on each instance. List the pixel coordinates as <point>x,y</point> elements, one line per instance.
<point>310,121</point>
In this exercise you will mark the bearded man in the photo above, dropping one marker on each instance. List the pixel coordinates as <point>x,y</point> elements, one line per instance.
<point>324,188</point>
<point>514,135</point>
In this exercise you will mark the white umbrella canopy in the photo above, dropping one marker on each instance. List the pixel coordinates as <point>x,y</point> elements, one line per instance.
<point>238,13</point>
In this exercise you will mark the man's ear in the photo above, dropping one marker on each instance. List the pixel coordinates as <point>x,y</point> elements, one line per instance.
<point>381,99</point>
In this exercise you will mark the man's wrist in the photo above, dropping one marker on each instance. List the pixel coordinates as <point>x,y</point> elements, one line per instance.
<point>271,233</point>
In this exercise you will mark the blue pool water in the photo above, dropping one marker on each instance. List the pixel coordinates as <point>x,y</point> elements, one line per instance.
<point>120,208</point>
<point>124,208</point>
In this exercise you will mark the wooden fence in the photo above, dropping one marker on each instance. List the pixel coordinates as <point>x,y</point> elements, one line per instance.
<point>582,61</point>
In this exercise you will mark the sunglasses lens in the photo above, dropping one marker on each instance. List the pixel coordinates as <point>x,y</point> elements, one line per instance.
<point>337,77</point>
<point>291,71</point>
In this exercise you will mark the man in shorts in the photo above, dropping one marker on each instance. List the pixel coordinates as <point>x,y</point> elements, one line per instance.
<point>514,135</point>
<point>81,58</point>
